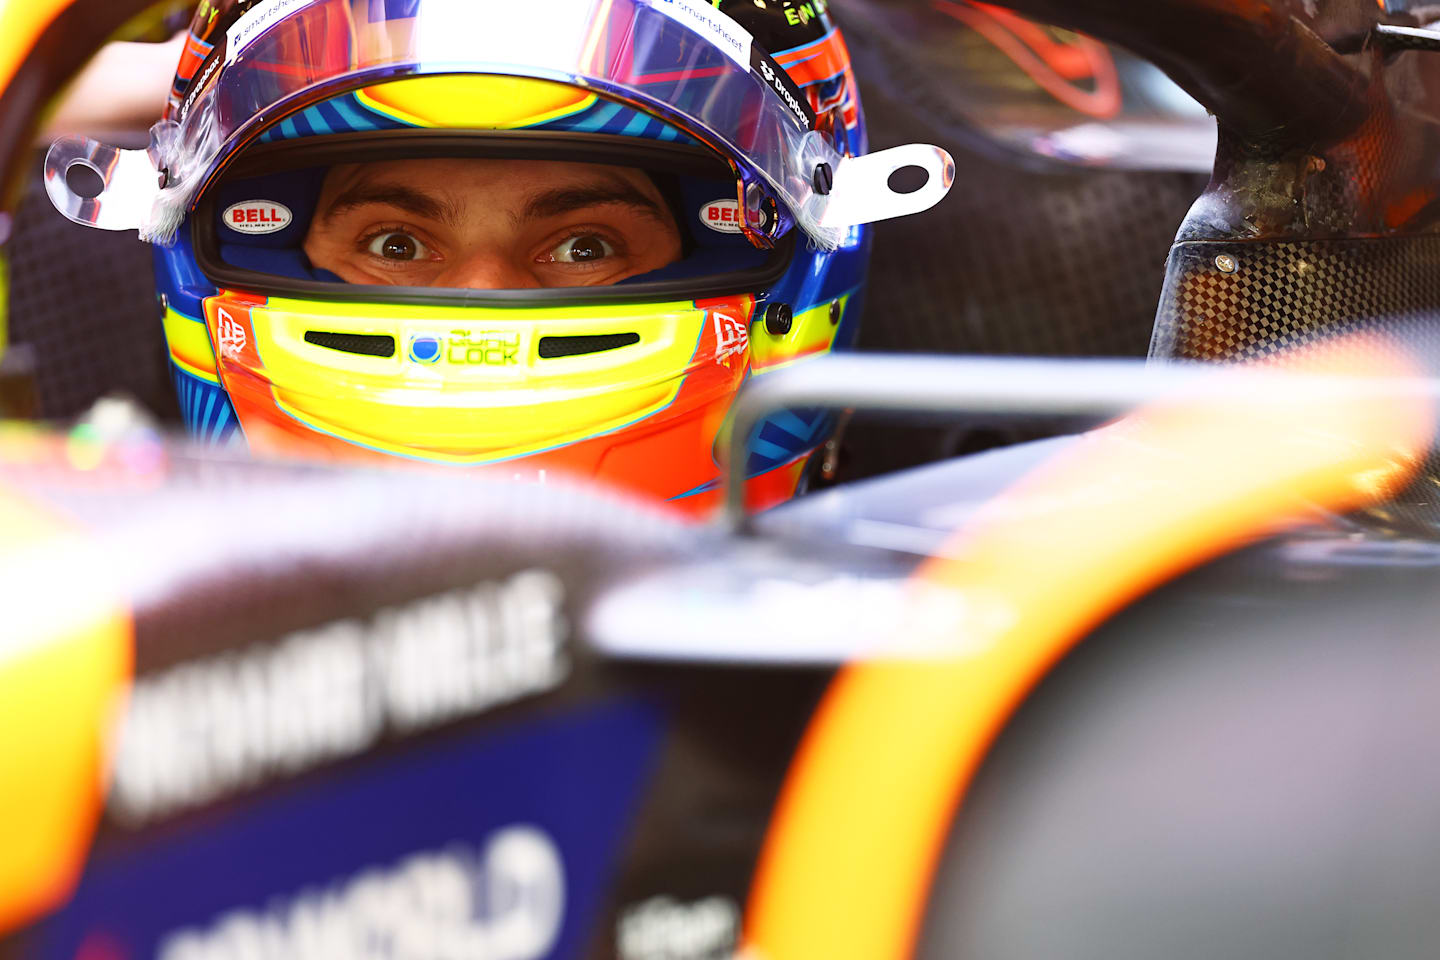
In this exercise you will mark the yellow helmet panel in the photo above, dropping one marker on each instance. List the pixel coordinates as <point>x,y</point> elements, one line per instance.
<point>475,102</point>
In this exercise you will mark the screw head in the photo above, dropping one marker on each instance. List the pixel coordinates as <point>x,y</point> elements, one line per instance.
<point>834,312</point>
<point>1225,263</point>
<point>824,179</point>
<point>778,319</point>
<point>767,219</point>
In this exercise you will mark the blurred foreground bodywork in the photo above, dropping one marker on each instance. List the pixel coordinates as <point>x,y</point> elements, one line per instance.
<point>1036,95</point>
<point>426,722</point>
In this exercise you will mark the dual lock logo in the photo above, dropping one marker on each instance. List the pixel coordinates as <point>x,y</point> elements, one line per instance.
<point>464,348</point>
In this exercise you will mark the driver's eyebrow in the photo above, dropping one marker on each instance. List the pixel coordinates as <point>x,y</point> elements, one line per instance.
<point>563,200</point>
<point>396,195</point>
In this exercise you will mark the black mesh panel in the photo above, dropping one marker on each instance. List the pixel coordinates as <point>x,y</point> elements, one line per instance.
<point>84,301</point>
<point>553,347</point>
<point>367,344</point>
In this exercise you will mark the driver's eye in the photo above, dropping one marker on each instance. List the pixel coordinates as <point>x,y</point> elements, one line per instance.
<point>398,246</point>
<point>582,249</point>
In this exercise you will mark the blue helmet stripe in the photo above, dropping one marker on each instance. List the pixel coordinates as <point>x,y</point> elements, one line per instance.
<point>598,119</point>
<point>636,126</point>
<point>351,117</point>
<point>204,417</point>
<point>323,120</point>
<point>220,429</point>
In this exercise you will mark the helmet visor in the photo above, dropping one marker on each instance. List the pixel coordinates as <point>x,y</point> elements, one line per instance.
<point>431,215</point>
<point>682,61</point>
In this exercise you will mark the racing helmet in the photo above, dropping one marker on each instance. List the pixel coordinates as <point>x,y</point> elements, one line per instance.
<point>731,131</point>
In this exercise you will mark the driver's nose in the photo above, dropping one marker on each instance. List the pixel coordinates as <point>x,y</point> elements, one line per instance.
<point>488,268</point>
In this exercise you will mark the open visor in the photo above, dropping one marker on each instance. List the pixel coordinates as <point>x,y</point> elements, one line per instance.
<point>682,61</point>
<point>435,215</point>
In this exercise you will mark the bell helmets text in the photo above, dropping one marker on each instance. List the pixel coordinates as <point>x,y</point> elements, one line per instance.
<point>722,216</point>
<point>257,216</point>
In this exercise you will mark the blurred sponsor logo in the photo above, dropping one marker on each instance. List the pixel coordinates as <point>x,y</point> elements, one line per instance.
<point>665,929</point>
<point>203,729</point>
<point>506,902</point>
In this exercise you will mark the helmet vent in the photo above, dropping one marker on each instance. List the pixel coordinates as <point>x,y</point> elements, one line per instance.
<point>552,347</point>
<point>367,344</point>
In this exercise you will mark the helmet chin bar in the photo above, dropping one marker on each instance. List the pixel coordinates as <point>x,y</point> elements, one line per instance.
<point>847,191</point>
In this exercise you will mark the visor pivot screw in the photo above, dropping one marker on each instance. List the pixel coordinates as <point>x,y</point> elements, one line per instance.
<point>778,319</point>
<point>1226,263</point>
<point>767,220</point>
<point>834,312</point>
<point>824,179</point>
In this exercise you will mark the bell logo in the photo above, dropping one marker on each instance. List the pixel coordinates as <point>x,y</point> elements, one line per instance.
<point>722,216</point>
<point>257,217</point>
